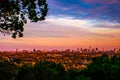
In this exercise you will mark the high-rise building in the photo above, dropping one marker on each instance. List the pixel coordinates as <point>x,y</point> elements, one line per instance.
<point>85,50</point>
<point>78,49</point>
<point>90,48</point>
<point>96,49</point>
<point>44,50</point>
<point>116,50</point>
<point>119,50</point>
<point>81,50</point>
<point>104,50</point>
<point>34,50</point>
<point>16,49</point>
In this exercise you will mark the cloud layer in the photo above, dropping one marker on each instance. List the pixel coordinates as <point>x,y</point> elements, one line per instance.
<point>67,32</point>
<point>72,24</point>
<point>68,27</point>
<point>97,9</point>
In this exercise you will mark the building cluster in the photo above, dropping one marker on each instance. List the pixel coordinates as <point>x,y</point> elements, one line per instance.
<point>82,50</point>
<point>76,59</point>
<point>78,50</point>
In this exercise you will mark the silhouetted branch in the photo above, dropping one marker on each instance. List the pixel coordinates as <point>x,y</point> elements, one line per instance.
<point>14,14</point>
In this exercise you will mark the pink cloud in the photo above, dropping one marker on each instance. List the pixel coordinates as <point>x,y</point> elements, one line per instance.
<point>102,1</point>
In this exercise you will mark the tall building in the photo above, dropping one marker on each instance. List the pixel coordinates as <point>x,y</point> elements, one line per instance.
<point>85,50</point>
<point>16,49</point>
<point>96,49</point>
<point>44,50</point>
<point>90,48</point>
<point>104,50</point>
<point>34,50</point>
<point>119,50</point>
<point>81,50</point>
<point>116,50</point>
<point>78,49</point>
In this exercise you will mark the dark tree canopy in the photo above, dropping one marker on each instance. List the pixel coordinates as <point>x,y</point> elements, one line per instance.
<point>14,14</point>
<point>103,68</point>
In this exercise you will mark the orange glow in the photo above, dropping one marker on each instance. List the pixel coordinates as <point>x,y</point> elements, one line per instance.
<point>62,33</point>
<point>63,43</point>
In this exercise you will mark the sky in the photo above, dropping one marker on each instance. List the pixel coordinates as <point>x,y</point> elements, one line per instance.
<point>71,24</point>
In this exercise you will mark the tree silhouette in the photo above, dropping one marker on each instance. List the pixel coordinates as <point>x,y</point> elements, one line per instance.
<point>42,71</point>
<point>103,68</point>
<point>7,70</point>
<point>14,14</point>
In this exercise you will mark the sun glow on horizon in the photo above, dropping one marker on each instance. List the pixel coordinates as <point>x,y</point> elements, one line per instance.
<point>67,32</point>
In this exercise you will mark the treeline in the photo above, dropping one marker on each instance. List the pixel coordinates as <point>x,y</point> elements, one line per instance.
<point>101,68</point>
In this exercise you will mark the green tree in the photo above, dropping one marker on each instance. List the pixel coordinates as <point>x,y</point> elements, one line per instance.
<point>82,78</point>
<point>42,71</point>
<point>50,71</point>
<point>25,73</point>
<point>14,14</point>
<point>7,70</point>
<point>77,75</point>
<point>104,68</point>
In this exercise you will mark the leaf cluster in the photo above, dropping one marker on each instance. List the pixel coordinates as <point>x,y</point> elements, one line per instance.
<point>104,68</point>
<point>15,13</point>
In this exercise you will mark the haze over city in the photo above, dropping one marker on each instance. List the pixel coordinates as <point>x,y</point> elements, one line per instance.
<point>71,24</point>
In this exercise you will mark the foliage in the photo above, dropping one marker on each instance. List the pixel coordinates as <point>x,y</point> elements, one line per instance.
<point>42,71</point>
<point>50,71</point>
<point>82,78</point>
<point>7,71</point>
<point>14,14</point>
<point>104,68</point>
<point>77,75</point>
<point>24,73</point>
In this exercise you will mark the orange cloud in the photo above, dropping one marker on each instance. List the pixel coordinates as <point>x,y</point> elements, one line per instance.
<point>69,33</point>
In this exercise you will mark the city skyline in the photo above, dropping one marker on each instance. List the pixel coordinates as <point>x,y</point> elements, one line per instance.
<point>71,24</point>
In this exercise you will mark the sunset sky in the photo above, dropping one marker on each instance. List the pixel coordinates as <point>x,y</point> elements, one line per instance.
<point>71,24</point>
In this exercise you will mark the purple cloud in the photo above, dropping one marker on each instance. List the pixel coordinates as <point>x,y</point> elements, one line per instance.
<point>97,9</point>
<point>102,1</point>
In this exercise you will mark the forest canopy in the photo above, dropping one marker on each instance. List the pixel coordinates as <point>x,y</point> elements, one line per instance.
<point>15,13</point>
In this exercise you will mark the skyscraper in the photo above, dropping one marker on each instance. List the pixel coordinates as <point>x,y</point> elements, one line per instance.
<point>90,49</point>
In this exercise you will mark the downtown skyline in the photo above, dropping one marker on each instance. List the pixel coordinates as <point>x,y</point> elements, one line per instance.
<point>71,24</point>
